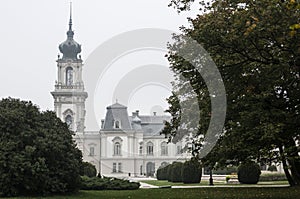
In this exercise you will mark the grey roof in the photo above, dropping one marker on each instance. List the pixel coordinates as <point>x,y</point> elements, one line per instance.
<point>151,124</point>
<point>117,112</point>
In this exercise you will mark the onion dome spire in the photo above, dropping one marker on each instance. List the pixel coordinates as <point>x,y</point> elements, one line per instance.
<point>70,48</point>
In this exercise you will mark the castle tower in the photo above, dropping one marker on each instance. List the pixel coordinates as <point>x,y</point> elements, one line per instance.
<point>69,95</point>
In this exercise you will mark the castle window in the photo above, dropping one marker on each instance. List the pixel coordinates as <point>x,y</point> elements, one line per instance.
<point>92,151</point>
<point>117,148</point>
<point>114,170</point>
<point>120,167</point>
<point>149,148</point>
<point>69,76</point>
<point>164,148</point>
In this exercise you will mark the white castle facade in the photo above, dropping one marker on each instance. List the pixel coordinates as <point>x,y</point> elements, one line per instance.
<point>125,145</point>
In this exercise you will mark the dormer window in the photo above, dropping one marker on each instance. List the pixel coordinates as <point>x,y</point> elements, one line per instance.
<point>117,124</point>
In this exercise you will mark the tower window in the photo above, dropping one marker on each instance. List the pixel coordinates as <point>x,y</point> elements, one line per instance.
<point>69,76</point>
<point>69,120</point>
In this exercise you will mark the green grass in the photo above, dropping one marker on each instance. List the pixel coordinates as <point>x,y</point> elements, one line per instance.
<point>205,183</point>
<point>213,192</point>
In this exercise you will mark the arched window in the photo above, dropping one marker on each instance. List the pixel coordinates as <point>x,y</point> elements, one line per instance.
<point>164,148</point>
<point>69,76</point>
<point>69,120</point>
<point>117,124</point>
<point>149,148</point>
<point>117,148</point>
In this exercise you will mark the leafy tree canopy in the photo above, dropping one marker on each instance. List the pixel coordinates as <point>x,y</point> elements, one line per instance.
<point>256,47</point>
<point>37,153</point>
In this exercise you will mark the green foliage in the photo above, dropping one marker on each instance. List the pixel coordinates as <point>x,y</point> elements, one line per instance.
<point>248,173</point>
<point>272,177</point>
<point>106,183</point>
<point>191,171</point>
<point>176,168</point>
<point>37,153</point>
<point>162,173</point>
<point>272,168</point>
<point>88,169</point>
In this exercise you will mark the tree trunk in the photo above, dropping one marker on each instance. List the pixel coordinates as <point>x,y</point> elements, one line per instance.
<point>293,160</point>
<point>285,168</point>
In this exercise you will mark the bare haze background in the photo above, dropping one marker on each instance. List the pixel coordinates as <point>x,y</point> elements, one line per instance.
<point>32,30</point>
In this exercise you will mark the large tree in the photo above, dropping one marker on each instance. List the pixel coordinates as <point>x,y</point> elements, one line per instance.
<point>37,153</point>
<point>256,47</point>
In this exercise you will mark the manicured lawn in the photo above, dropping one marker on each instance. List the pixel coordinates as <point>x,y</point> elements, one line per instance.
<point>212,192</point>
<point>205,183</point>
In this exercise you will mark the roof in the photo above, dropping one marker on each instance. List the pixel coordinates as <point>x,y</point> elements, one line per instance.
<point>116,113</point>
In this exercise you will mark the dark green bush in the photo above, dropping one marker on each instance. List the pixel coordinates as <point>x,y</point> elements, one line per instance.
<point>96,183</point>
<point>169,171</point>
<point>88,169</point>
<point>248,173</point>
<point>37,153</point>
<point>162,173</point>
<point>191,172</point>
<point>272,168</point>
<point>176,172</point>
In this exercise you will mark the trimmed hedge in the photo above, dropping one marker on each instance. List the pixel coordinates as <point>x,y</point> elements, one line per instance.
<point>248,173</point>
<point>176,172</point>
<point>106,183</point>
<point>191,172</point>
<point>272,177</point>
<point>162,173</point>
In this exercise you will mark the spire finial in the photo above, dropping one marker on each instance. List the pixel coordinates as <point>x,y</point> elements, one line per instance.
<point>70,22</point>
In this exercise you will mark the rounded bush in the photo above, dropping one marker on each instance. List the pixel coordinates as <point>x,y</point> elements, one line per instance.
<point>176,172</point>
<point>248,173</point>
<point>191,172</point>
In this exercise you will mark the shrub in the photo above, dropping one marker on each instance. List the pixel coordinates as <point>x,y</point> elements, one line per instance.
<point>248,173</point>
<point>176,172</point>
<point>191,172</point>
<point>37,152</point>
<point>88,169</point>
<point>272,168</point>
<point>162,173</point>
<point>106,183</point>
<point>272,177</point>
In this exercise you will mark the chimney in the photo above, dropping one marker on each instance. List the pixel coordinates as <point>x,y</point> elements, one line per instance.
<point>154,113</point>
<point>137,112</point>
